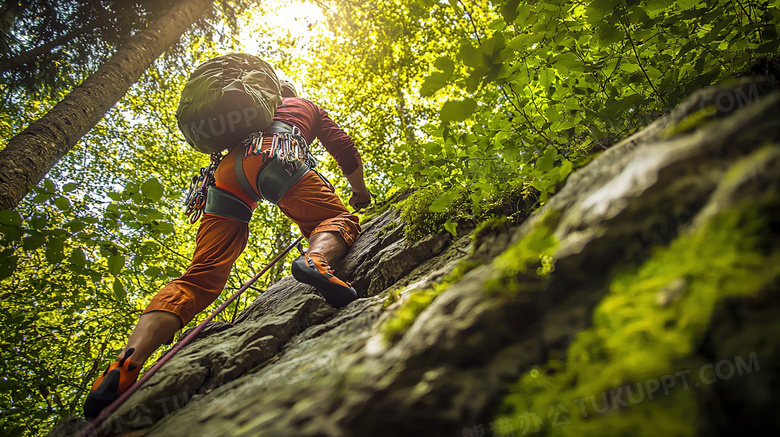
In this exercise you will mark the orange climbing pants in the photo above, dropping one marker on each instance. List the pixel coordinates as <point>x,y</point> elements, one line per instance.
<point>310,204</point>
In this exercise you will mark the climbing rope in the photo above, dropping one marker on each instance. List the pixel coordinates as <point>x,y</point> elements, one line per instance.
<point>111,409</point>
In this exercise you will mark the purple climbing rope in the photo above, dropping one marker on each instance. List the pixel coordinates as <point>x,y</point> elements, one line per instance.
<point>111,409</point>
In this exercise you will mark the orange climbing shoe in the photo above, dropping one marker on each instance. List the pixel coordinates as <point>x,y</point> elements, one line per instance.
<point>119,376</point>
<point>313,269</point>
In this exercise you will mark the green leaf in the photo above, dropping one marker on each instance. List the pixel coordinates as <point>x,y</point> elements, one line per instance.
<point>119,289</point>
<point>497,24</point>
<point>152,272</point>
<point>658,5</point>
<point>10,218</point>
<point>509,10</point>
<point>441,204</point>
<point>610,35</point>
<point>164,228</point>
<point>451,227</point>
<point>55,250</point>
<point>445,64</point>
<point>567,60</point>
<point>32,243</point>
<point>433,83</point>
<point>115,264</point>
<point>455,110</point>
<point>16,432</point>
<point>62,203</point>
<point>39,222</point>
<point>8,266</point>
<point>564,169</point>
<point>687,4</point>
<point>48,185</point>
<point>67,188</point>
<point>41,198</point>
<point>545,162</point>
<point>76,226</point>
<point>470,56</point>
<point>77,258</point>
<point>769,47</point>
<point>152,189</point>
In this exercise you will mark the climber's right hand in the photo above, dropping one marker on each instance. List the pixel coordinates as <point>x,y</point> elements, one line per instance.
<point>360,200</point>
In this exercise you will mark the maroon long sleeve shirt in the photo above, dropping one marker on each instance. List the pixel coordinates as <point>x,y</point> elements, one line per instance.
<point>314,122</point>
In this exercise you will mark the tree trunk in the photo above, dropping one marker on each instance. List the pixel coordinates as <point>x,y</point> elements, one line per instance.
<point>32,153</point>
<point>403,114</point>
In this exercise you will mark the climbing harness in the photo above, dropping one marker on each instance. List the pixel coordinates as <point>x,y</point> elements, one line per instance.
<point>108,411</point>
<point>285,162</point>
<point>197,195</point>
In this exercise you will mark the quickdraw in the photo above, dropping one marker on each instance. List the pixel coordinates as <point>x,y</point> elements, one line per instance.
<point>287,147</point>
<point>195,201</point>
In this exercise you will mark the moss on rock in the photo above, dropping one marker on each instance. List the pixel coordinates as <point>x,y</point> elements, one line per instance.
<point>631,372</point>
<point>403,318</point>
<point>416,215</point>
<point>531,256</point>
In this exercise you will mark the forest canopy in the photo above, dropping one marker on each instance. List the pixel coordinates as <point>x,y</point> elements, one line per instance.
<point>474,105</point>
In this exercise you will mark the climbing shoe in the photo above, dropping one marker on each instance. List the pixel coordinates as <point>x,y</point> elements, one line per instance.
<point>119,376</point>
<point>313,269</point>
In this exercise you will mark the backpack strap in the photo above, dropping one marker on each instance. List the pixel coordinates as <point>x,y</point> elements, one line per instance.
<point>238,165</point>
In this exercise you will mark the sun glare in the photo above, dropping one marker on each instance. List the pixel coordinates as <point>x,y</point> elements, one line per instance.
<point>292,19</point>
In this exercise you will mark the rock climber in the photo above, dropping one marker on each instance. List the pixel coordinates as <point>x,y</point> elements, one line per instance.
<point>301,194</point>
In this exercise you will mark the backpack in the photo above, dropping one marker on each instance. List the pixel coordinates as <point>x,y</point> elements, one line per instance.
<point>226,99</point>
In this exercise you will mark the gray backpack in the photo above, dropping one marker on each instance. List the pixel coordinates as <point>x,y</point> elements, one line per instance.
<point>226,99</point>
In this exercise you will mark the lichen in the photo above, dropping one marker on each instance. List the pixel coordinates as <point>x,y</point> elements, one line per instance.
<point>645,332</point>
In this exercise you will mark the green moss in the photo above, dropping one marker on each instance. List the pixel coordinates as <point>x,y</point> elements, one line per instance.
<point>414,212</point>
<point>531,255</point>
<point>392,295</point>
<point>646,328</point>
<point>486,226</point>
<point>583,160</point>
<point>378,209</point>
<point>387,228</point>
<point>691,122</point>
<point>404,317</point>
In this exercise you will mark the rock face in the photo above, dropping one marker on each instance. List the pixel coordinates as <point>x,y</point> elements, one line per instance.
<point>525,343</point>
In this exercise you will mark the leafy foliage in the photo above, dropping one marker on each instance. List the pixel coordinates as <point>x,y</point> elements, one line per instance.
<point>516,93</point>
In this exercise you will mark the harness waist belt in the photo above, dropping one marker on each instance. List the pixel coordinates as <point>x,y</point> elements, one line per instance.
<point>278,127</point>
<point>226,204</point>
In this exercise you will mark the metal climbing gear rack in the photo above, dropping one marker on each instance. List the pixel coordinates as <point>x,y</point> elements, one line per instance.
<point>195,200</point>
<point>287,145</point>
<point>286,159</point>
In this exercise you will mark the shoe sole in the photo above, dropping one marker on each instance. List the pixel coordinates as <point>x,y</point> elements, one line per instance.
<point>101,398</point>
<point>336,295</point>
